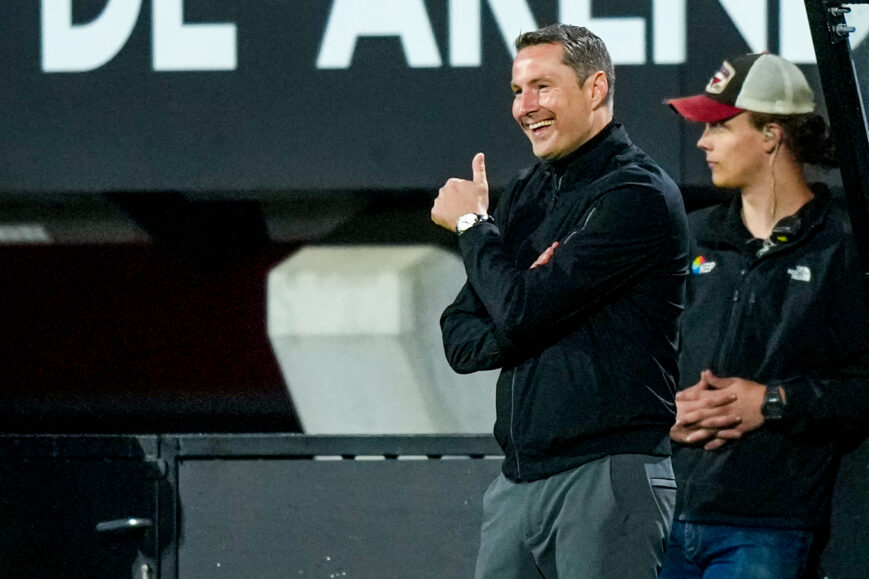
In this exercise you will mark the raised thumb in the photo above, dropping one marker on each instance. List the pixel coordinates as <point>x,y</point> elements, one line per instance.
<point>479,167</point>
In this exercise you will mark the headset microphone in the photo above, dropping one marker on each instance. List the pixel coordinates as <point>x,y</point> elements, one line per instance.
<point>786,229</point>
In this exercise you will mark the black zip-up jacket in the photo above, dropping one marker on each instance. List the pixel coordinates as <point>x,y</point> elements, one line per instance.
<point>795,316</point>
<point>587,343</point>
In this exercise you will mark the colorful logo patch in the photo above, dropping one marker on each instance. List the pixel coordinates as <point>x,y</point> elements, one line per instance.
<point>722,78</point>
<point>700,265</point>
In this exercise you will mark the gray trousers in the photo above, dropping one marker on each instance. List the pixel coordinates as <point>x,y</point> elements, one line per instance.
<point>608,518</point>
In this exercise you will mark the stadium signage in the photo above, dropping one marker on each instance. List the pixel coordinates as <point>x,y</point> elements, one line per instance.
<point>188,46</point>
<point>319,96</point>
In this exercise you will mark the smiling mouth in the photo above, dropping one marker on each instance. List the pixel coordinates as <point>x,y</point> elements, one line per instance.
<point>539,125</point>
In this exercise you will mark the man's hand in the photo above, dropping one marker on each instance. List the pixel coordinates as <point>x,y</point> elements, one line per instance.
<point>716,410</point>
<point>459,196</point>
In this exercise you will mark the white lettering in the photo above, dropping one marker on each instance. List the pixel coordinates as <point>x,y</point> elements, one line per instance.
<point>750,18</point>
<point>668,30</point>
<point>179,46</point>
<point>859,19</point>
<point>795,37</point>
<point>625,37</point>
<point>512,16</point>
<point>83,47</point>
<point>351,19</point>
<point>465,43</point>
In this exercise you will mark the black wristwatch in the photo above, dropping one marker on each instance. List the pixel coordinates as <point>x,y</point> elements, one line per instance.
<point>773,403</point>
<point>468,220</point>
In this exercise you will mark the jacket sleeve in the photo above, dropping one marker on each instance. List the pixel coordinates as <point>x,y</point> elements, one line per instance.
<point>837,404</point>
<point>618,242</point>
<point>468,332</point>
<point>835,407</point>
<point>469,338</point>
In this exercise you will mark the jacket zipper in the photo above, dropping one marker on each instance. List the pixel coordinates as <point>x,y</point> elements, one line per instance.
<point>512,412</point>
<point>735,298</point>
<point>558,179</point>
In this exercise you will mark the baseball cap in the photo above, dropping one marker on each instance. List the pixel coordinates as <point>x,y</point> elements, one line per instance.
<point>762,83</point>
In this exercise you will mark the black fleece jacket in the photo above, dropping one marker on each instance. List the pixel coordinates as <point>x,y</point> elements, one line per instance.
<point>587,343</point>
<point>797,316</point>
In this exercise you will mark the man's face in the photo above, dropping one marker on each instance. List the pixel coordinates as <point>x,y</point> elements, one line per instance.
<point>554,111</point>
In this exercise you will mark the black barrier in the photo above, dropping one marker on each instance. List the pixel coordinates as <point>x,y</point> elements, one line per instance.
<point>254,505</point>
<point>55,491</point>
<point>276,505</point>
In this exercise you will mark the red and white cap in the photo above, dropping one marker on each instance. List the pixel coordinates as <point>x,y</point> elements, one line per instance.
<point>762,83</point>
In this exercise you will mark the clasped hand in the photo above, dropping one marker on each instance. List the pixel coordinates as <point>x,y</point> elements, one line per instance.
<point>717,410</point>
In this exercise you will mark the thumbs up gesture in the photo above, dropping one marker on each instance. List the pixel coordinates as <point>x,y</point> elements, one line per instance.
<point>460,196</point>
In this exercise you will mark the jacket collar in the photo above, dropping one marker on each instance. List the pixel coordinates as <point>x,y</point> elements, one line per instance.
<point>732,230</point>
<point>590,160</point>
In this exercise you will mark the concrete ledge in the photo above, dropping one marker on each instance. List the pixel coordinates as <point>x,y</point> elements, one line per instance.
<point>356,333</point>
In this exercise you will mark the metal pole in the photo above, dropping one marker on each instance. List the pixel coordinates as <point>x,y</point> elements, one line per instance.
<point>845,107</point>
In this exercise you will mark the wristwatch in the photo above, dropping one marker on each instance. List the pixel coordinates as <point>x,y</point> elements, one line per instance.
<point>773,407</point>
<point>468,220</point>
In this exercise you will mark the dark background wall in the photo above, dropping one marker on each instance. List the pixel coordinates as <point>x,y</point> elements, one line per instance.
<point>132,338</point>
<point>166,197</point>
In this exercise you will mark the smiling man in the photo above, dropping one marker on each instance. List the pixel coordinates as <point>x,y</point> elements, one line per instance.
<point>575,283</point>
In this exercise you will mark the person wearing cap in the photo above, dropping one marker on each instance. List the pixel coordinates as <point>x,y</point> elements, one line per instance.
<point>575,285</point>
<point>774,356</point>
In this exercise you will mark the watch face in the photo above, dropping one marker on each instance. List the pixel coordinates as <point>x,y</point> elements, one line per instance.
<point>466,221</point>
<point>773,406</point>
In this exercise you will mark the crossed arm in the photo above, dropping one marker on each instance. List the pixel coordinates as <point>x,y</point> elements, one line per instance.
<point>469,332</point>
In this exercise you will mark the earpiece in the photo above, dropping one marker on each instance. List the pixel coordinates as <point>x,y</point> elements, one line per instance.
<point>767,133</point>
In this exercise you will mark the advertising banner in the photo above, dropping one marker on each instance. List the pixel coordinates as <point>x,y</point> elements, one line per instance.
<point>326,95</point>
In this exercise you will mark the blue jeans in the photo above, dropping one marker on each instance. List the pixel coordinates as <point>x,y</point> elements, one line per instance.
<point>728,552</point>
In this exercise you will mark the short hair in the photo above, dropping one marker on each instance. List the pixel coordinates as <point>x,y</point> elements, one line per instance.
<point>584,51</point>
<point>807,136</point>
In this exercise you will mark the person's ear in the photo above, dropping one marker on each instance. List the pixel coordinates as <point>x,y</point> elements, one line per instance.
<point>772,137</point>
<point>599,88</point>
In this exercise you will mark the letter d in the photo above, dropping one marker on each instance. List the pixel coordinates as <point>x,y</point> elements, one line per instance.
<point>80,48</point>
